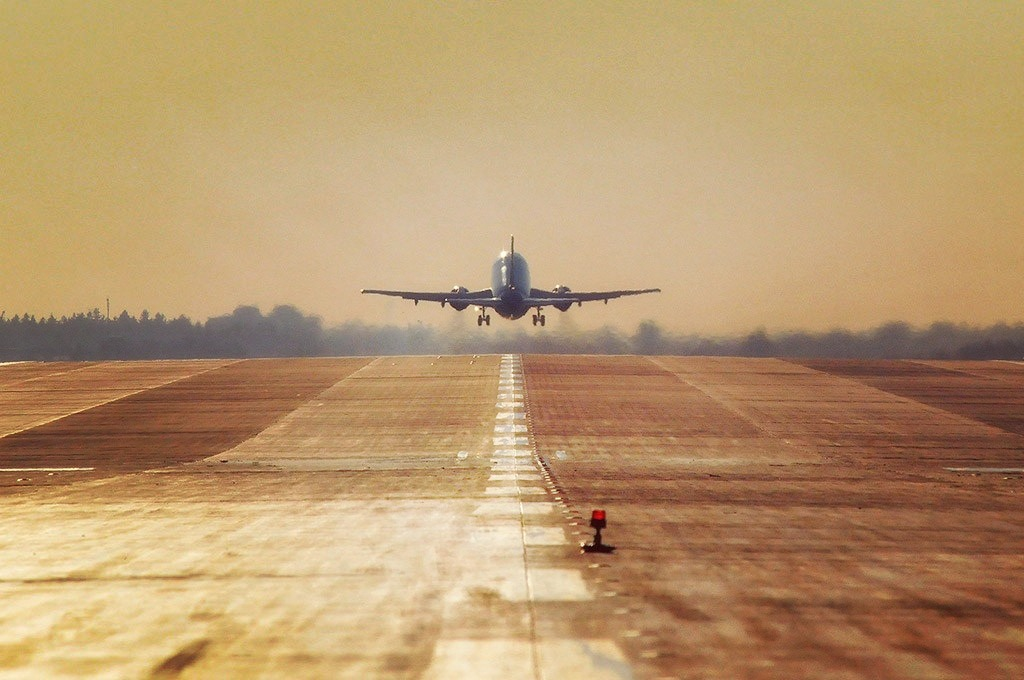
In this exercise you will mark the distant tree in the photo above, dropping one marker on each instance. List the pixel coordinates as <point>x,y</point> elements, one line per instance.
<point>894,339</point>
<point>757,344</point>
<point>648,339</point>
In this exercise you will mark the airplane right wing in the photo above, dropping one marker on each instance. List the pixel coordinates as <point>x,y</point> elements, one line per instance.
<point>458,298</point>
<point>559,298</point>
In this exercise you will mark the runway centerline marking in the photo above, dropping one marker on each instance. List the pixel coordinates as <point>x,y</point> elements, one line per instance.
<point>516,515</point>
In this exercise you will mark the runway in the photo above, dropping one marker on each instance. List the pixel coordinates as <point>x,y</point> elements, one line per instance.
<point>406,517</point>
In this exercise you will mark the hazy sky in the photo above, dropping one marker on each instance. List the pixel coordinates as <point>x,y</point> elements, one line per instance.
<point>786,165</point>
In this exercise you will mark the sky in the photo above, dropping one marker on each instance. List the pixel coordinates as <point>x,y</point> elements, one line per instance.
<point>785,165</point>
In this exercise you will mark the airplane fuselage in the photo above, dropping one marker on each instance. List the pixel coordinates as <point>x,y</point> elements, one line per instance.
<point>510,283</point>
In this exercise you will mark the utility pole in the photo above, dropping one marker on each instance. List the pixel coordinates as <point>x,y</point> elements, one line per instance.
<point>108,309</point>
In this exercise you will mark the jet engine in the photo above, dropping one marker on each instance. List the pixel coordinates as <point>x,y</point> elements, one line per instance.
<point>561,290</point>
<point>459,306</point>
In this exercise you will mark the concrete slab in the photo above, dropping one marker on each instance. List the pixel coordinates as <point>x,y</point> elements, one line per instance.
<point>357,518</point>
<point>776,520</point>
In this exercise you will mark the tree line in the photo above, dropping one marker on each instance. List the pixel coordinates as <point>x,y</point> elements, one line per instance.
<point>288,332</point>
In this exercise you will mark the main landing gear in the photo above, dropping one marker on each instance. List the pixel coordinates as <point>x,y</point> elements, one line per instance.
<point>539,318</point>
<point>484,318</point>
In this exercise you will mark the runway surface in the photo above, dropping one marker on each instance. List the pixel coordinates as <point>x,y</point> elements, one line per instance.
<point>406,517</point>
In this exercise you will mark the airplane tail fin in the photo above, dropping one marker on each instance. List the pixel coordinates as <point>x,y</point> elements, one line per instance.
<point>512,262</point>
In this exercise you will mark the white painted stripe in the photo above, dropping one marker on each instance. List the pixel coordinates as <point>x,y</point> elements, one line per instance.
<point>502,506</point>
<point>514,478</point>
<point>511,415</point>
<point>509,427</point>
<point>511,441</point>
<point>497,659</point>
<point>47,469</point>
<point>506,534</point>
<point>505,404</point>
<point>482,659</point>
<point>516,453</point>
<point>995,470</point>
<point>557,585</point>
<point>514,491</point>
<point>498,463</point>
<point>592,659</point>
<point>544,536</point>
<point>513,468</point>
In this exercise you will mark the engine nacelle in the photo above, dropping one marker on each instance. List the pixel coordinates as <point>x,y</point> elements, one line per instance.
<point>561,290</point>
<point>459,306</point>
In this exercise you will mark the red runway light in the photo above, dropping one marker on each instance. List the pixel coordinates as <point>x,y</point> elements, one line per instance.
<point>598,520</point>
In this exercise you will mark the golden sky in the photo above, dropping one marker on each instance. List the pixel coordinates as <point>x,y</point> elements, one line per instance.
<point>801,165</point>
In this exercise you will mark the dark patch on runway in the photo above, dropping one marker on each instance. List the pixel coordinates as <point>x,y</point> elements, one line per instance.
<point>180,422</point>
<point>988,398</point>
<point>176,663</point>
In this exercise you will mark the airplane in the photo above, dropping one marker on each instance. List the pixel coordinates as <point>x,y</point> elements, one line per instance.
<point>510,294</point>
